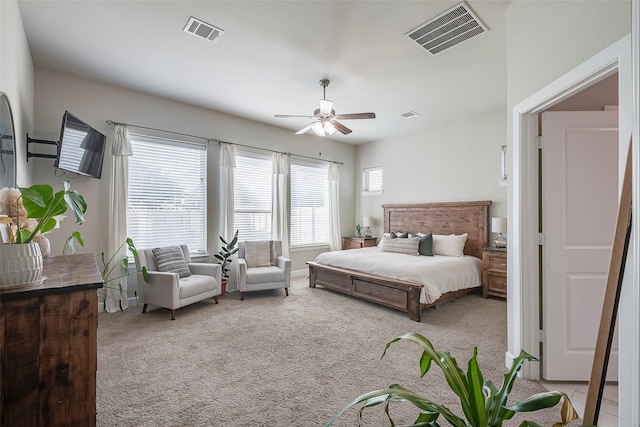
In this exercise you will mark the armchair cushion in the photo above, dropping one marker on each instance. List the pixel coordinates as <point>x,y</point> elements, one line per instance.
<point>258,254</point>
<point>171,260</point>
<point>265,275</point>
<point>194,285</point>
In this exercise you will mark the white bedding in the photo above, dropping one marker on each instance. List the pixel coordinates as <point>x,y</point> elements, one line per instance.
<point>438,274</point>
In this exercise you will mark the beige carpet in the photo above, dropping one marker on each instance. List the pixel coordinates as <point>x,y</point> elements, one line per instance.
<point>272,360</point>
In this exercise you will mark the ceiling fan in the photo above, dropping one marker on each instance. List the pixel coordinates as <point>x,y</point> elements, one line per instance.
<point>325,120</point>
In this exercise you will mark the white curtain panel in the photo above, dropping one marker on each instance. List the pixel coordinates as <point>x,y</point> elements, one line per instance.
<point>280,200</point>
<point>227,167</point>
<point>335,240</point>
<point>120,149</point>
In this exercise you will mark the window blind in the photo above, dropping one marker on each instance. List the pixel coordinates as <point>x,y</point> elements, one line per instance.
<point>309,208</point>
<point>167,199</point>
<point>252,195</point>
<point>372,179</point>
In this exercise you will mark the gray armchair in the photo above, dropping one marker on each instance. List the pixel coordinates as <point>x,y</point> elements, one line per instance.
<point>261,266</point>
<point>175,281</point>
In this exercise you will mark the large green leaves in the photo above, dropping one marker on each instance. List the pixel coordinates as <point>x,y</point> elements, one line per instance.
<point>482,403</point>
<point>44,205</point>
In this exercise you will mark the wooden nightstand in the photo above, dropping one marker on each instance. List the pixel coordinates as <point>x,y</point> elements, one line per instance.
<point>494,272</point>
<point>358,242</point>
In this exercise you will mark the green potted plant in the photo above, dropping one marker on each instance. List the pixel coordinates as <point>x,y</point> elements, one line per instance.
<point>32,211</point>
<point>482,403</point>
<point>224,259</point>
<point>358,228</point>
<point>112,270</point>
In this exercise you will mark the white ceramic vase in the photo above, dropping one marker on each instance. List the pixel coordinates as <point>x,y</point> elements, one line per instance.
<point>20,264</point>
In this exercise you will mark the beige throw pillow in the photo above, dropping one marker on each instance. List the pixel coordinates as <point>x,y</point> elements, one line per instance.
<point>406,245</point>
<point>258,253</point>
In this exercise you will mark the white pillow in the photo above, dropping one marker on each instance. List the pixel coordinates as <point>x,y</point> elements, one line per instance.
<point>450,245</point>
<point>401,245</point>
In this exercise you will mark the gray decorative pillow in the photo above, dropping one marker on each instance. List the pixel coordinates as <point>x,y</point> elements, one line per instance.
<point>426,244</point>
<point>171,260</point>
<point>401,234</point>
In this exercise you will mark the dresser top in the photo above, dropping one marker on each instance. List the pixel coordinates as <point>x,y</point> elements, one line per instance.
<point>63,274</point>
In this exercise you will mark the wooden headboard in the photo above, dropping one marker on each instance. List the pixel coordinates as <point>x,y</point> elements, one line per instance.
<point>443,218</point>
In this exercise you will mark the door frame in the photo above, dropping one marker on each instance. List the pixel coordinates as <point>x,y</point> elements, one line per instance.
<point>523,304</point>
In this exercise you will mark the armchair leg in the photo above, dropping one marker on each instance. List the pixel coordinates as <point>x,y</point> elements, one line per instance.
<point>144,308</point>
<point>173,315</point>
<point>215,299</point>
<point>286,291</point>
<point>241,296</point>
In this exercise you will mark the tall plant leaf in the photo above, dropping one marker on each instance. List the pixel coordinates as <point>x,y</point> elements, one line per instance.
<point>482,403</point>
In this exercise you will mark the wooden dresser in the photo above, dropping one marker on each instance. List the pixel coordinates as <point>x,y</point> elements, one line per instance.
<point>494,272</point>
<point>48,359</point>
<point>358,242</point>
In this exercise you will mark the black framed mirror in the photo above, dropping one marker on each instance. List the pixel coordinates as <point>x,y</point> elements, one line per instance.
<point>7,144</point>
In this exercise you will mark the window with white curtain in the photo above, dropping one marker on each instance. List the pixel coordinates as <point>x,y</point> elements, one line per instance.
<point>167,200</point>
<point>309,204</point>
<point>252,195</point>
<point>372,180</point>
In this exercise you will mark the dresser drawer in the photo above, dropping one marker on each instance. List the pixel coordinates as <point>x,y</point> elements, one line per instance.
<point>497,284</point>
<point>358,242</point>
<point>494,272</point>
<point>497,261</point>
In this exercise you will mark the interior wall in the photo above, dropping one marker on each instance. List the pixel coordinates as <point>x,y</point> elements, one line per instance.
<point>95,102</point>
<point>16,80</point>
<point>454,161</point>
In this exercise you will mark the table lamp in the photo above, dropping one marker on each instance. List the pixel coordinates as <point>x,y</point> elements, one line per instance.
<point>367,223</point>
<point>499,225</point>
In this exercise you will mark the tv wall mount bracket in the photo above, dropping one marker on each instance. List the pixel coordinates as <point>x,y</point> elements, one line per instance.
<point>40,141</point>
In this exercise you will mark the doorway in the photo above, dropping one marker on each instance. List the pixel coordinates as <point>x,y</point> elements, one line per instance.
<point>524,266</point>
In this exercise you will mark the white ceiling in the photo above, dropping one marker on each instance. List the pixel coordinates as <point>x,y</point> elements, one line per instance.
<point>273,54</point>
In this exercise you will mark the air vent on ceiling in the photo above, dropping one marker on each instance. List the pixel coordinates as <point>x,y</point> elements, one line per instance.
<point>409,114</point>
<point>201,29</point>
<point>446,30</point>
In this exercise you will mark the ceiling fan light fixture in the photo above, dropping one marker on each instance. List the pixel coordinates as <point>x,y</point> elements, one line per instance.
<point>323,128</point>
<point>325,121</point>
<point>325,107</point>
<point>329,129</point>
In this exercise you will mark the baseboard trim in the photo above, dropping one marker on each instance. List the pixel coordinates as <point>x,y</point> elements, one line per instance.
<point>300,273</point>
<point>508,359</point>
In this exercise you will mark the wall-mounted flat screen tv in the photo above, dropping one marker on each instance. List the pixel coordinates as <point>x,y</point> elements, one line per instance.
<point>81,148</point>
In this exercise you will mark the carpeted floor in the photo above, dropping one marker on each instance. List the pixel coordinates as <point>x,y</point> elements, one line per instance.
<point>272,360</point>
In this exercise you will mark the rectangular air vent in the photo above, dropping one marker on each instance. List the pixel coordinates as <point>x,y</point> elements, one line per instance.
<point>409,114</point>
<point>201,29</point>
<point>448,29</point>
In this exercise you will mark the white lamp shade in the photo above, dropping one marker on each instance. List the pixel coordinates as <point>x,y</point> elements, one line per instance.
<point>498,225</point>
<point>367,221</point>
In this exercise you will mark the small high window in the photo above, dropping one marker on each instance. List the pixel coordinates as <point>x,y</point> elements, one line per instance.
<point>372,181</point>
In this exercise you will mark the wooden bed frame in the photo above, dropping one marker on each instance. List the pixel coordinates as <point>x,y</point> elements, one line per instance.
<point>439,218</point>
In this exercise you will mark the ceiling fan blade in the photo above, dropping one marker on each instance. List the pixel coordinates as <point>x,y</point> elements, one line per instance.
<point>340,127</point>
<point>306,128</point>
<point>356,116</point>
<point>280,116</point>
<point>325,106</point>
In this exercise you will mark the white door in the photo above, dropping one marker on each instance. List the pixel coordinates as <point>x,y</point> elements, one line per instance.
<point>579,208</point>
